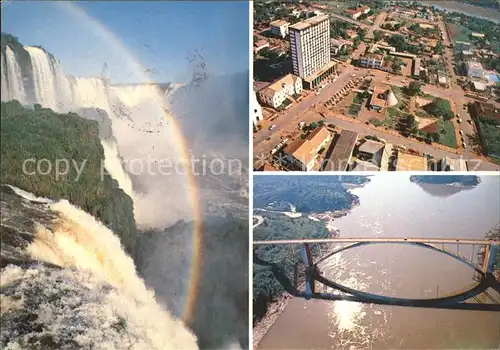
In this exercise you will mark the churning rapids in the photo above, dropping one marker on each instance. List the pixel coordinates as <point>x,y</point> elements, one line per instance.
<point>66,280</point>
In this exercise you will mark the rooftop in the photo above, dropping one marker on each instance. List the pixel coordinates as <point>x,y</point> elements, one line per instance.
<point>304,150</point>
<point>453,164</point>
<point>341,153</point>
<point>371,147</point>
<point>365,166</point>
<point>309,22</point>
<point>278,85</point>
<point>279,23</point>
<point>377,98</point>
<point>410,162</point>
<point>374,56</point>
<point>474,65</point>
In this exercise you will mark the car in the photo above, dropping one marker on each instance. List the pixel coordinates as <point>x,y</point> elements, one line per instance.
<point>459,120</point>
<point>461,132</point>
<point>272,127</point>
<point>469,121</point>
<point>464,144</point>
<point>268,138</point>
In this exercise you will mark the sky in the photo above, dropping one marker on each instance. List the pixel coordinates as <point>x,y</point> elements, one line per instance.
<point>160,35</point>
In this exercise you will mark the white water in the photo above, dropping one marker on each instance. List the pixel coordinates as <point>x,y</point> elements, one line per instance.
<point>14,76</point>
<point>144,138</point>
<point>92,257</point>
<point>43,78</point>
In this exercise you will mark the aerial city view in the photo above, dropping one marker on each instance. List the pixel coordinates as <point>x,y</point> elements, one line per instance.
<point>120,216</point>
<point>336,267</point>
<point>376,85</point>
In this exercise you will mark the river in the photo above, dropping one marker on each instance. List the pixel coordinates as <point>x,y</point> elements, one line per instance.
<point>392,206</point>
<point>470,10</point>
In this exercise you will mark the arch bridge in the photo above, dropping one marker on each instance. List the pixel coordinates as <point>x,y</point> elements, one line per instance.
<point>483,272</point>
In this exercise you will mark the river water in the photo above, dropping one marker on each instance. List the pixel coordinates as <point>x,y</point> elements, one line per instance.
<point>392,206</point>
<point>470,10</point>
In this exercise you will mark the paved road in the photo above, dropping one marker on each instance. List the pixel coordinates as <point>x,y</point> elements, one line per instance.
<point>360,24</point>
<point>297,110</point>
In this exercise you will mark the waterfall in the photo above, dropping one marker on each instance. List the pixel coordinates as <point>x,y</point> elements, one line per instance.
<point>85,294</point>
<point>43,77</point>
<point>14,77</point>
<point>5,90</point>
<point>137,120</point>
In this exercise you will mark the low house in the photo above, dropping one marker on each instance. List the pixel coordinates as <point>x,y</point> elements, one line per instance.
<point>338,44</point>
<point>339,154</point>
<point>276,93</point>
<point>372,60</point>
<point>411,162</point>
<point>365,166</point>
<point>259,45</point>
<point>256,111</point>
<point>474,69</point>
<point>452,164</point>
<point>416,67</point>
<point>475,35</point>
<point>382,98</point>
<point>279,28</point>
<point>485,111</point>
<point>478,85</point>
<point>355,14</point>
<point>303,152</point>
<point>371,151</point>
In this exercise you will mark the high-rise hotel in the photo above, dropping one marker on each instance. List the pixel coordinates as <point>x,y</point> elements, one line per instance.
<point>310,46</point>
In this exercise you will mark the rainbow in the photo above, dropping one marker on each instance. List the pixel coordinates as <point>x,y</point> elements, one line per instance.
<point>181,149</point>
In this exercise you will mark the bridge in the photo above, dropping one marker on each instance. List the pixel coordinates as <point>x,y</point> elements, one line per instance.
<point>483,272</point>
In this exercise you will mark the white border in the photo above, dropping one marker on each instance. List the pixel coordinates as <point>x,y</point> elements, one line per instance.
<point>250,175</point>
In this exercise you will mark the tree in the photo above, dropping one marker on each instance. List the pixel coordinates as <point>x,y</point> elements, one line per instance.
<point>396,66</point>
<point>411,124</point>
<point>377,35</point>
<point>435,137</point>
<point>440,108</point>
<point>439,48</point>
<point>414,88</point>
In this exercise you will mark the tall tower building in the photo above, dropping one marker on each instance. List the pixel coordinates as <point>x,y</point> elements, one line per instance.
<point>310,46</point>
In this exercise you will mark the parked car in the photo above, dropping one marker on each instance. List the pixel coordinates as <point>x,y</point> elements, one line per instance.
<point>464,144</point>
<point>461,132</point>
<point>272,127</point>
<point>469,121</point>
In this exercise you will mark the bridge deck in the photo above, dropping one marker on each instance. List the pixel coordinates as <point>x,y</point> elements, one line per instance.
<point>381,240</point>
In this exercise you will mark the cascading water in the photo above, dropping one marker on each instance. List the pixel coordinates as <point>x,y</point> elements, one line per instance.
<point>14,76</point>
<point>56,252</point>
<point>3,86</point>
<point>43,77</point>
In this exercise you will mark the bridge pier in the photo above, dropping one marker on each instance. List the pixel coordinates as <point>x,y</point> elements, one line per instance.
<point>307,258</point>
<point>489,258</point>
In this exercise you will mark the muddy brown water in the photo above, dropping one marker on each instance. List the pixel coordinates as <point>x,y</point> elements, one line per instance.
<point>392,206</point>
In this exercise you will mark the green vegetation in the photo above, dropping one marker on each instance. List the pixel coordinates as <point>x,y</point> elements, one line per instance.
<point>316,194</point>
<point>414,89</point>
<point>43,134</point>
<point>440,108</point>
<point>266,288</point>
<point>354,110</point>
<point>458,32</point>
<point>401,44</point>
<point>490,139</point>
<point>376,122</point>
<point>447,135</point>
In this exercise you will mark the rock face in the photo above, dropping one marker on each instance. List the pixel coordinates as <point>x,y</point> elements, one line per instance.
<point>66,283</point>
